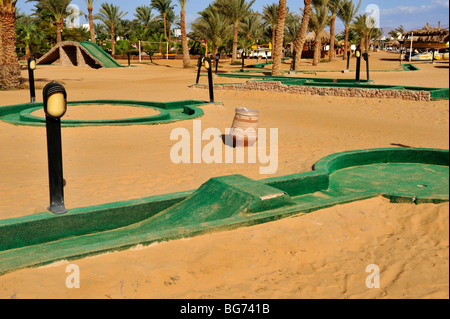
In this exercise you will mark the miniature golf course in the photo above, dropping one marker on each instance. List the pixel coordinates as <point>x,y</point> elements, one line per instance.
<point>22,114</point>
<point>406,175</point>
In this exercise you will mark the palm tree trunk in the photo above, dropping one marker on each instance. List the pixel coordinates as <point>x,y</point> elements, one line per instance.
<point>276,70</point>
<point>1,47</point>
<point>301,37</point>
<point>59,25</point>
<point>165,26</point>
<point>273,40</point>
<point>9,63</point>
<point>332,36</point>
<point>361,41</point>
<point>367,43</point>
<point>91,24</point>
<point>184,40</point>
<point>317,51</point>
<point>27,50</point>
<point>235,42</point>
<point>113,41</point>
<point>346,43</point>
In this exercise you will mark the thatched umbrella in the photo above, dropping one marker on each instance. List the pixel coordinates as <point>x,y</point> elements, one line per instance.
<point>393,44</point>
<point>434,38</point>
<point>325,37</point>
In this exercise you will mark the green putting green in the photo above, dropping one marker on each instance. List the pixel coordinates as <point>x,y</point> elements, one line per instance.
<point>410,67</point>
<point>107,60</point>
<point>405,175</point>
<point>21,114</point>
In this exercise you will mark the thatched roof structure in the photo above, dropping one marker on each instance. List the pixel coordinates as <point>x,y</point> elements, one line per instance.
<point>325,37</point>
<point>394,44</point>
<point>428,38</point>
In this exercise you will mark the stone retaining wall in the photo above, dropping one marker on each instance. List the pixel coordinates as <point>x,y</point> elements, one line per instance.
<point>276,86</point>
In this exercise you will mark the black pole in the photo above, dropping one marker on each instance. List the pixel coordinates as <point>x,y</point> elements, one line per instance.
<point>129,61</point>
<point>208,66</point>
<point>294,56</point>
<point>199,65</point>
<point>366,58</point>
<point>217,62</point>
<point>54,148</point>
<point>55,169</point>
<point>358,66</point>
<point>243,61</point>
<point>31,80</point>
<point>349,54</point>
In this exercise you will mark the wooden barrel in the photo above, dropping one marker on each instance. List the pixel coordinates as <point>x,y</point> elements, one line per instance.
<point>245,127</point>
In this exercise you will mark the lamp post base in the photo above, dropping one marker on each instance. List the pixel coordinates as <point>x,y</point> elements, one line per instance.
<point>58,209</point>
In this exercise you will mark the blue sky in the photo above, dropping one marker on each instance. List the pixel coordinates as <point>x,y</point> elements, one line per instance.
<point>411,14</point>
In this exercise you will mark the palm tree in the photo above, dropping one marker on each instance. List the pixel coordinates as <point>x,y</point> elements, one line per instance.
<point>334,6</point>
<point>90,7</point>
<point>156,41</point>
<point>359,25</point>
<point>111,15</point>
<point>9,62</point>
<point>376,38</point>
<point>235,11</point>
<point>279,39</point>
<point>184,39</point>
<point>292,26</point>
<point>396,33</point>
<point>144,16</point>
<point>212,26</point>
<point>59,10</point>
<point>301,37</point>
<point>270,17</point>
<point>100,31</point>
<point>363,30</point>
<point>346,14</point>
<point>251,28</point>
<point>163,6</point>
<point>319,20</point>
<point>28,33</point>
<point>125,29</point>
<point>171,18</point>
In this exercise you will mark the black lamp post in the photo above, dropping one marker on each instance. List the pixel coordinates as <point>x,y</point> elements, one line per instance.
<point>55,106</point>
<point>243,61</point>
<point>217,62</point>
<point>349,55</point>
<point>31,68</point>
<point>358,65</point>
<point>199,65</point>
<point>208,66</point>
<point>294,57</point>
<point>366,58</point>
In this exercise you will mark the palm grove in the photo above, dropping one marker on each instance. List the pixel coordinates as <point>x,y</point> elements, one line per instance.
<point>225,25</point>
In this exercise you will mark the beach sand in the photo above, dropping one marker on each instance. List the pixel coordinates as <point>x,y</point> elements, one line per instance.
<point>320,255</point>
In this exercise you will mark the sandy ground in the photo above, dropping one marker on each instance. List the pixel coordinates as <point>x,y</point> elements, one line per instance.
<point>321,255</point>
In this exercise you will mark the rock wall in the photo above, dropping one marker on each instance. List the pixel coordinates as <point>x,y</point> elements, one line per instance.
<point>276,86</point>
